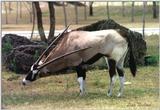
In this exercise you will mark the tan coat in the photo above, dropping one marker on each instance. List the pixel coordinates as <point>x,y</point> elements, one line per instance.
<point>107,42</point>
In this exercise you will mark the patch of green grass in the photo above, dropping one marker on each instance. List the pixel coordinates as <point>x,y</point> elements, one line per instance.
<point>62,91</point>
<point>152,44</point>
<point>142,92</point>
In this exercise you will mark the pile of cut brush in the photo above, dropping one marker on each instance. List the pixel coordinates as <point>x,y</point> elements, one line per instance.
<point>19,53</point>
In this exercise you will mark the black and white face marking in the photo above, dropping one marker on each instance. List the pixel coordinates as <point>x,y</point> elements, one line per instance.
<point>31,76</point>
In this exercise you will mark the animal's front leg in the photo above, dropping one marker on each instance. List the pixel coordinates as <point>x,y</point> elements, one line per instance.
<point>81,85</point>
<point>81,74</point>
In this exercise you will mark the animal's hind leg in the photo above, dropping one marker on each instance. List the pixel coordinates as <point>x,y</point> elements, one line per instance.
<point>81,75</point>
<point>120,70</point>
<point>112,73</point>
<point>122,80</point>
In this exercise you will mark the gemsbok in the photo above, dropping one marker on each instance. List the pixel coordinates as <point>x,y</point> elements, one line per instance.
<point>82,48</point>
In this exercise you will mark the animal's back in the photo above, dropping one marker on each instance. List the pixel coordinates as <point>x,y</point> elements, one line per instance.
<point>82,39</point>
<point>100,42</point>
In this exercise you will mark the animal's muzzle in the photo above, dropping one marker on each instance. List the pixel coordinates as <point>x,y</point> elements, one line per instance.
<point>23,83</point>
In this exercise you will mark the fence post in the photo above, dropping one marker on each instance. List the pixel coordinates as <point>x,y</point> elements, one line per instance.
<point>144,11</point>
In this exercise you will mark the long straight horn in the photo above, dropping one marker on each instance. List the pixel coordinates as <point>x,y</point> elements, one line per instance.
<point>62,56</point>
<point>57,38</point>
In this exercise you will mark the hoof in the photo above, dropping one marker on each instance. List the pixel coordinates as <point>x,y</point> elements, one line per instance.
<point>109,94</point>
<point>119,95</point>
<point>82,93</point>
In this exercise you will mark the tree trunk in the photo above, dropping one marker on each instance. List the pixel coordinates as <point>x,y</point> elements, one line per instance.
<point>33,10</point>
<point>90,8</point>
<point>123,9</point>
<point>107,6</point>
<point>17,13</point>
<point>144,12</point>
<point>20,11</point>
<point>65,15</point>
<point>154,10</point>
<point>85,11</point>
<point>39,21</point>
<point>10,8</point>
<point>30,12</point>
<point>52,20</point>
<point>132,18</point>
<point>6,12</point>
<point>76,13</point>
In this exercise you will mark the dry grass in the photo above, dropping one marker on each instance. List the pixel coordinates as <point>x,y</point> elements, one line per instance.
<point>61,92</point>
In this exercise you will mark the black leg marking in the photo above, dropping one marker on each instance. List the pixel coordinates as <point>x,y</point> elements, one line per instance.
<point>112,67</point>
<point>112,73</point>
<point>94,58</point>
<point>81,72</point>
<point>120,72</point>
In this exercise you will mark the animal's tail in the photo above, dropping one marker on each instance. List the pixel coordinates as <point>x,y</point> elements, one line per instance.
<point>132,63</point>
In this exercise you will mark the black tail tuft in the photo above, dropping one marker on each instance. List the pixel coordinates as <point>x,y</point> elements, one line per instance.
<point>132,64</point>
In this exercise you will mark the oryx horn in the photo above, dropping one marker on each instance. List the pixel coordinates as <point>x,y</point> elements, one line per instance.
<point>45,51</point>
<point>62,56</point>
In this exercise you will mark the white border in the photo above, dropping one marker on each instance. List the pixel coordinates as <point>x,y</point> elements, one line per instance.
<point>70,0</point>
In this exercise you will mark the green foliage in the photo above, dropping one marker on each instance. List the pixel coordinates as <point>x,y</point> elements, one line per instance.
<point>13,63</point>
<point>152,57</point>
<point>152,60</point>
<point>36,55</point>
<point>7,47</point>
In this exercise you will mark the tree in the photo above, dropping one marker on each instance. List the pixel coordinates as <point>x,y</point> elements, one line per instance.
<point>132,18</point>
<point>144,12</point>
<point>107,6</point>
<point>10,8</point>
<point>33,10</point>
<point>90,8</point>
<point>85,11</point>
<point>123,9</point>
<point>39,21</point>
<point>6,12</point>
<point>155,11</point>
<point>17,13</point>
<point>52,20</point>
<point>76,13</point>
<point>20,12</point>
<point>65,15</point>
